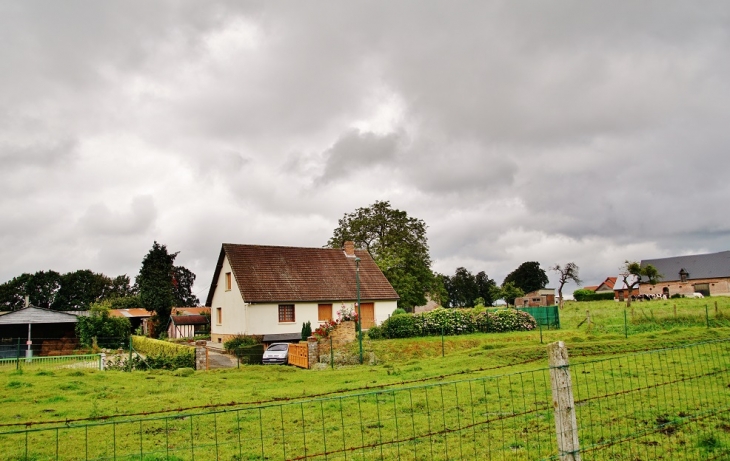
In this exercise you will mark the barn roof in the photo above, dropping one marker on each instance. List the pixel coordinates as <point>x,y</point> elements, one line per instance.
<point>279,274</point>
<point>35,315</point>
<point>703,266</point>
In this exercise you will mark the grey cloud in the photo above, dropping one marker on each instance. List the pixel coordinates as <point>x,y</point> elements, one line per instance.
<point>355,151</point>
<point>100,220</point>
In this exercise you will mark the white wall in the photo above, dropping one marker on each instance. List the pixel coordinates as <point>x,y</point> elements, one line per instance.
<point>231,303</point>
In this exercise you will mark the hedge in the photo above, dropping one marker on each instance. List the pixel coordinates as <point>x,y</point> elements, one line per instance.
<point>162,354</point>
<point>453,322</point>
<point>588,295</point>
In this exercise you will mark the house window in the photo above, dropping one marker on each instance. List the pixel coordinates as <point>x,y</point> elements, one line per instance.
<point>218,315</point>
<point>286,313</point>
<point>683,275</point>
<point>324,312</point>
<point>228,281</point>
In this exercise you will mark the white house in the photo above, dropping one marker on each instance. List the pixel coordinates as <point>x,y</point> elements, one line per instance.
<point>273,290</point>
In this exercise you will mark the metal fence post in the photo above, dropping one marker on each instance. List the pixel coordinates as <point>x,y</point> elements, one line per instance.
<point>566,424</point>
<point>626,326</point>
<point>332,355</point>
<point>707,316</point>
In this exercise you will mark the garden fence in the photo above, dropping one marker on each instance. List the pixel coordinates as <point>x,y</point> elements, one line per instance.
<point>665,404</point>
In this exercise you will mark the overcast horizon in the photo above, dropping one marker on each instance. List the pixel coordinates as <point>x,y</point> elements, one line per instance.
<point>590,132</point>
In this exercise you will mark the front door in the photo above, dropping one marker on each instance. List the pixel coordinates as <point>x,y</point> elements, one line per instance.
<point>367,310</point>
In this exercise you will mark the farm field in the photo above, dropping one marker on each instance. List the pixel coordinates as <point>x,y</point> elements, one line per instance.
<point>40,399</point>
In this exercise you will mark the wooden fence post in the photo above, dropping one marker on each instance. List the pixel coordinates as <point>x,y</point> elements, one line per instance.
<point>566,424</point>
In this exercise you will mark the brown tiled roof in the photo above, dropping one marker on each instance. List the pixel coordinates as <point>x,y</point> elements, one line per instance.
<point>591,287</point>
<point>279,274</point>
<point>189,319</point>
<point>190,310</point>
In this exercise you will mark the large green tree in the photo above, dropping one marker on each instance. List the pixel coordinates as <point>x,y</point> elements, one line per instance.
<point>397,243</point>
<point>528,277</point>
<point>163,285</point>
<point>464,288</point>
<point>80,289</point>
<point>75,290</point>
<point>41,288</point>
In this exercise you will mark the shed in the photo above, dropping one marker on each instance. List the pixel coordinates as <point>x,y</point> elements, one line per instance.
<point>187,326</point>
<point>32,327</point>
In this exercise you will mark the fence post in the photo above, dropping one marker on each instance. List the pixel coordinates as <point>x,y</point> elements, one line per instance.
<point>332,355</point>
<point>626,326</point>
<point>540,325</point>
<point>707,316</point>
<point>129,363</point>
<point>102,361</point>
<point>566,424</point>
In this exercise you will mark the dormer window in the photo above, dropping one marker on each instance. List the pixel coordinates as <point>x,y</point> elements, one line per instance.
<point>683,274</point>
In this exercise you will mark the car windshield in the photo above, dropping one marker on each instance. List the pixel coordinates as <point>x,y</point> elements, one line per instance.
<point>278,347</point>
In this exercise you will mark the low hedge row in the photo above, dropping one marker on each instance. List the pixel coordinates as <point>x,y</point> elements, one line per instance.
<point>588,295</point>
<point>162,354</point>
<point>453,322</point>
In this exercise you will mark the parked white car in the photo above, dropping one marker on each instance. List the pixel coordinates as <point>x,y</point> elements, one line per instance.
<point>276,354</point>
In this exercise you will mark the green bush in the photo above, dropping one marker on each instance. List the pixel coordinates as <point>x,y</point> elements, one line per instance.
<point>241,340</point>
<point>375,332</point>
<point>162,354</point>
<point>306,330</point>
<point>453,322</point>
<point>400,326</point>
<point>399,311</point>
<point>108,330</point>
<point>252,354</point>
<point>588,295</point>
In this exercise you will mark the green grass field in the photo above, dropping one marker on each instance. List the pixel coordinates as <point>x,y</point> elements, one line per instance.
<point>475,368</point>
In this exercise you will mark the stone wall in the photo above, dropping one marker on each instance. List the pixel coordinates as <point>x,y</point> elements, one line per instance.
<point>201,355</point>
<point>319,350</point>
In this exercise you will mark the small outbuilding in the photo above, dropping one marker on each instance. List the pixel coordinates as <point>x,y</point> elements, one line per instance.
<point>187,326</point>
<point>537,298</point>
<point>38,331</point>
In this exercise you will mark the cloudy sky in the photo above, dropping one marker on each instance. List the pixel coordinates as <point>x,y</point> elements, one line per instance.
<point>592,132</point>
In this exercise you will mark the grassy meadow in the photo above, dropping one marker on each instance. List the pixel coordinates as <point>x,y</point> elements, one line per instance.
<point>478,369</point>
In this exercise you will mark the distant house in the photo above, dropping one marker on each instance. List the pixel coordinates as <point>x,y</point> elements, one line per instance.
<point>138,317</point>
<point>708,274</point>
<point>621,291</point>
<point>273,290</point>
<point>607,286</point>
<point>187,326</point>
<point>538,298</point>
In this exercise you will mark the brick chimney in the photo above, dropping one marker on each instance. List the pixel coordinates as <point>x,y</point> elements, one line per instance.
<point>349,249</point>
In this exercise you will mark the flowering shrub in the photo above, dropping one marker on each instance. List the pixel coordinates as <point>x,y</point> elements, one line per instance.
<point>454,322</point>
<point>345,314</point>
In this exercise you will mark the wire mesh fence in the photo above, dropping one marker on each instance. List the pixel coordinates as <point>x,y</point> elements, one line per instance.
<point>666,404</point>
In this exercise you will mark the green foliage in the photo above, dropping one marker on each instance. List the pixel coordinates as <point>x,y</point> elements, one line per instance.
<point>108,331</point>
<point>399,311</point>
<point>241,340</point>
<point>396,242</point>
<point>400,326</point>
<point>509,292</point>
<point>306,330</point>
<point>71,291</point>
<point>528,277</point>
<point>453,322</point>
<point>162,354</point>
<point>163,285</point>
<point>464,288</point>
<point>376,332</point>
<point>588,295</point>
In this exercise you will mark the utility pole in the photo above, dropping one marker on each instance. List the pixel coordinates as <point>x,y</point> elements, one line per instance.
<point>359,316</point>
